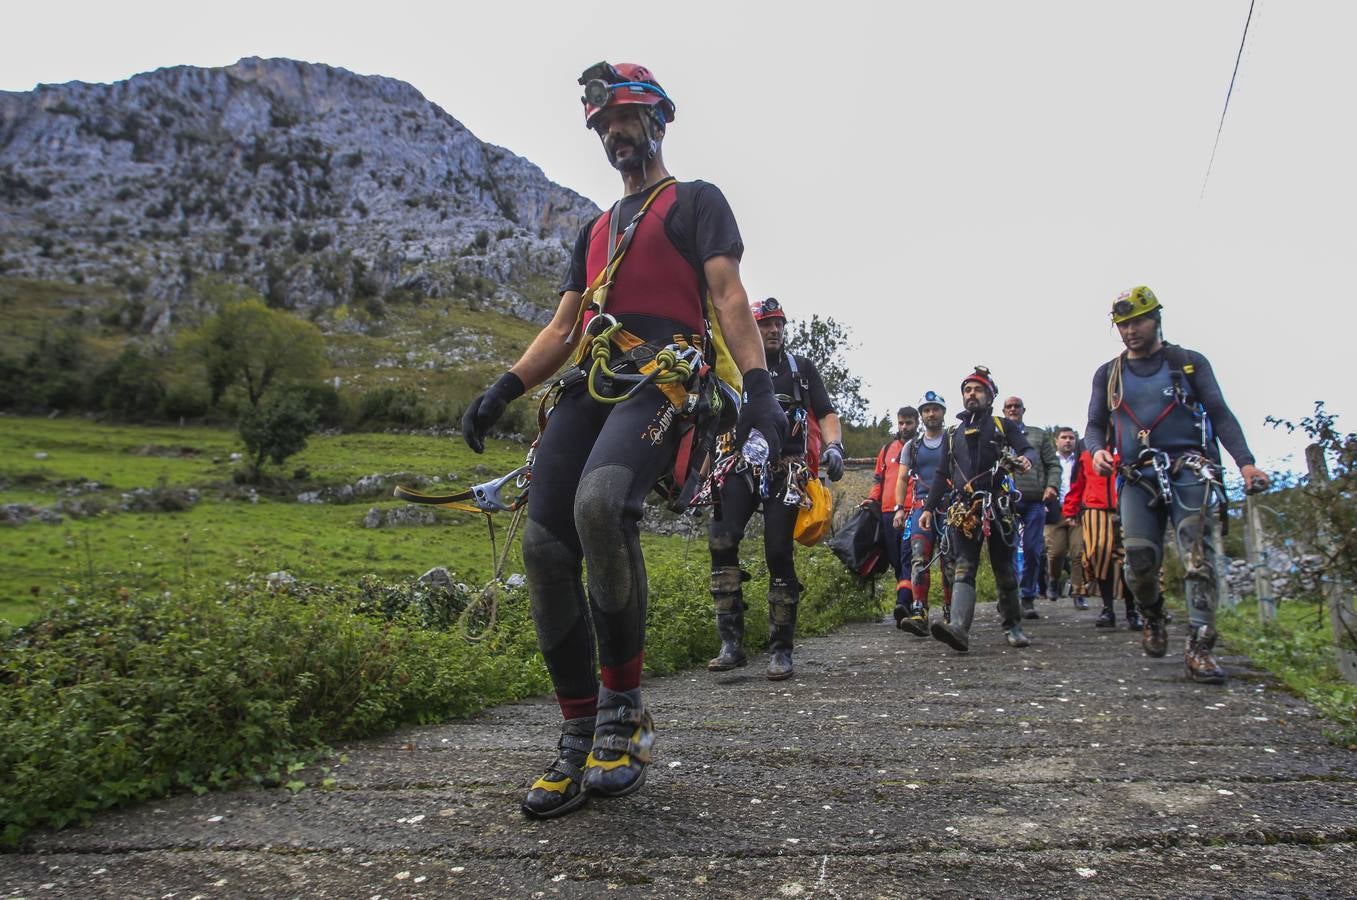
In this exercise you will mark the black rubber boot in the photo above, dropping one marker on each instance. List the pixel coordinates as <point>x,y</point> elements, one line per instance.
<point>624,734</point>
<point>1029,609</point>
<point>1133,622</point>
<point>956,633</point>
<point>782,600</point>
<point>728,600</point>
<point>559,789</point>
<point>1108,617</point>
<point>1202,665</point>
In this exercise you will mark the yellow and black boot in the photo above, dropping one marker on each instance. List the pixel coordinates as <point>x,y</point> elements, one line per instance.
<point>1202,665</point>
<point>728,601</point>
<point>917,621</point>
<point>783,596</point>
<point>624,735</point>
<point>559,789</point>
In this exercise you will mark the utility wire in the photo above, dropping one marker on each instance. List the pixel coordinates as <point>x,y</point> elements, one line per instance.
<point>1221,126</point>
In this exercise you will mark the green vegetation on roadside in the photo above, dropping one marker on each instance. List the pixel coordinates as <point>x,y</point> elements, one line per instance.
<point>1298,648</point>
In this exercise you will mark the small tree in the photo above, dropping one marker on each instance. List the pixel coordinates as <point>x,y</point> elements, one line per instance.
<point>827,344</point>
<point>254,347</point>
<point>277,429</point>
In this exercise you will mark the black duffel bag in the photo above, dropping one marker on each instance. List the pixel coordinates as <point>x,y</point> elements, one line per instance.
<point>860,543</point>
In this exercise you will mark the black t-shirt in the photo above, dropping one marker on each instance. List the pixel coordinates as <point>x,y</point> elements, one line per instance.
<point>700,225</point>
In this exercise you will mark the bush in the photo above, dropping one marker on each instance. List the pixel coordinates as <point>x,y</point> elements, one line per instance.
<point>277,429</point>
<point>123,697</point>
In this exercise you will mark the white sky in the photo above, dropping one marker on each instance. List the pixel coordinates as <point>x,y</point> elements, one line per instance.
<point>958,182</point>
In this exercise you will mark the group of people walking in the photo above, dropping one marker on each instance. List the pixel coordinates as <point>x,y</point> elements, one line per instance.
<point>658,328</point>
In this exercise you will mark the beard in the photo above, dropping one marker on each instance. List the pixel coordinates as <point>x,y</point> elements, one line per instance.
<point>633,161</point>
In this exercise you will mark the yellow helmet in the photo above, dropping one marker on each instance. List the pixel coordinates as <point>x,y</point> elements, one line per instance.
<point>1137,301</point>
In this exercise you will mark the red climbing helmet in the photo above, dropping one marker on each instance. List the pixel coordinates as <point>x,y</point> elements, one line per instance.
<point>607,85</point>
<point>982,375</point>
<point>767,309</point>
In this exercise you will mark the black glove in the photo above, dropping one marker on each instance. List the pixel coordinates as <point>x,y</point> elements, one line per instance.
<point>486,409</point>
<point>761,411</point>
<point>831,460</point>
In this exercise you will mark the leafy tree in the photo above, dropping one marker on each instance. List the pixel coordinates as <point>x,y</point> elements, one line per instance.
<point>277,429</point>
<point>826,343</point>
<point>254,347</point>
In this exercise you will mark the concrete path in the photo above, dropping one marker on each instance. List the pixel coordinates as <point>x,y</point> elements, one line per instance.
<point>888,767</point>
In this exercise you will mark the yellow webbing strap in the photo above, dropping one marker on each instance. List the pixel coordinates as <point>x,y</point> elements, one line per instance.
<point>596,294</point>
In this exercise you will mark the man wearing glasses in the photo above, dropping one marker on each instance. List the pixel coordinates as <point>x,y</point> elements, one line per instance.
<point>1039,486</point>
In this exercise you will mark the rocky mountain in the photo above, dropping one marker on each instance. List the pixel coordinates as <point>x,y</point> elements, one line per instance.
<point>311,185</point>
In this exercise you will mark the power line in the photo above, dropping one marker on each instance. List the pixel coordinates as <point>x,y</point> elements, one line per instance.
<point>1221,126</point>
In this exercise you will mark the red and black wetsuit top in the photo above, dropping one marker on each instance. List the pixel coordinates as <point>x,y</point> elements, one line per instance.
<point>659,288</point>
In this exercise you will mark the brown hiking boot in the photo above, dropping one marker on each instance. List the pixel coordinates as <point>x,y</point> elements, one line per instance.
<point>1154,636</point>
<point>1202,665</point>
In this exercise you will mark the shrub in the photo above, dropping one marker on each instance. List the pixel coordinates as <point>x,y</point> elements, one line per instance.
<point>276,429</point>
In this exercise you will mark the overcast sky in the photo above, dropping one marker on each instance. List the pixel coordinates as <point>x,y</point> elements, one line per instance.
<point>957,182</point>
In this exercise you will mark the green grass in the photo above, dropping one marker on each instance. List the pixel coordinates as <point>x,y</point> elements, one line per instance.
<point>1299,649</point>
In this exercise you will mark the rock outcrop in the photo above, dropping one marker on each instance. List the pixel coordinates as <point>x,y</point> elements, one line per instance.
<point>309,184</point>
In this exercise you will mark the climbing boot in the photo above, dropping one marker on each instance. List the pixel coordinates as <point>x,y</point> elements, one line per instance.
<point>1154,633</point>
<point>1202,665</point>
<point>1107,618</point>
<point>1133,622</point>
<point>730,626</point>
<point>947,610</point>
<point>624,735</point>
<point>728,601</point>
<point>900,613</point>
<point>559,789</point>
<point>917,623</point>
<point>1013,633</point>
<point>955,632</point>
<point>1029,609</point>
<point>783,595</point>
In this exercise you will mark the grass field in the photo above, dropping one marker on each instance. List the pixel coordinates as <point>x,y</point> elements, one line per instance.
<point>225,536</point>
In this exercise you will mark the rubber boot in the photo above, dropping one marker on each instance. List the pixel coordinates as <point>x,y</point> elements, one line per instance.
<point>782,600</point>
<point>1202,665</point>
<point>559,790</point>
<point>1154,634</point>
<point>956,633</point>
<point>624,735</point>
<point>728,600</point>
<point>1108,617</point>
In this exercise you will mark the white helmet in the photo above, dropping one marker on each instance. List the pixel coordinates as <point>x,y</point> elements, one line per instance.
<point>931,398</point>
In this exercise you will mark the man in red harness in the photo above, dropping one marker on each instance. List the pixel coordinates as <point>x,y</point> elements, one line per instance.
<point>660,264</point>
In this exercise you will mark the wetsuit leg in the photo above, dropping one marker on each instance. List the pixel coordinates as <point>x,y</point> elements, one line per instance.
<point>784,591</point>
<point>552,555</point>
<point>1197,536</point>
<point>921,546</point>
<point>1142,529</point>
<point>636,445</point>
<point>1001,558</point>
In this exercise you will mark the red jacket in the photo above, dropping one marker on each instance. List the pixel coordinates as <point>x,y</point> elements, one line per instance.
<point>1089,490</point>
<point>886,474</point>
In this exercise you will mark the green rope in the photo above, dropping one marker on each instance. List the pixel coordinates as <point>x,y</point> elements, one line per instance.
<point>669,366</point>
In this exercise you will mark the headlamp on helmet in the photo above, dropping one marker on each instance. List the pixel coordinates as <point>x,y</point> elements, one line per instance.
<point>1138,301</point>
<point>982,376</point>
<point>932,398</point>
<point>606,85</point>
<point>767,309</point>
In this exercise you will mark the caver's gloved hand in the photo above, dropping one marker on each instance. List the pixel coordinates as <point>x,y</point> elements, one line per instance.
<point>486,409</point>
<point>761,411</point>
<point>831,460</point>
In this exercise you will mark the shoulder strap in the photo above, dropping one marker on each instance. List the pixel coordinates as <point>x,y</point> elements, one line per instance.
<point>596,295</point>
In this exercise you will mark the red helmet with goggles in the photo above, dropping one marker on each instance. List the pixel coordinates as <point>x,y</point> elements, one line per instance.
<point>767,309</point>
<point>607,86</point>
<point>982,376</point>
